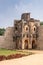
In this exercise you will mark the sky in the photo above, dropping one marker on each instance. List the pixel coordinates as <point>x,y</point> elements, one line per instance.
<point>12,9</point>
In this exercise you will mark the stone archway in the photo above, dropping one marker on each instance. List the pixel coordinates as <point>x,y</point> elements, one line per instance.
<point>26,44</point>
<point>34,45</point>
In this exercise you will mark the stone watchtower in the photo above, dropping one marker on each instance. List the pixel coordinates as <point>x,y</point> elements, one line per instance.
<point>26,32</point>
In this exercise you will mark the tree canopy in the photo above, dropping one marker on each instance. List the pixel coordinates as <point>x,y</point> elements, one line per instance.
<point>41,23</point>
<point>2,30</point>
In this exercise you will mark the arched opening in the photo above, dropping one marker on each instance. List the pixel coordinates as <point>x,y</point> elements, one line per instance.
<point>26,44</point>
<point>34,29</point>
<point>26,28</point>
<point>34,45</point>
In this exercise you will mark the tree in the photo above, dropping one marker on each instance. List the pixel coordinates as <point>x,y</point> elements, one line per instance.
<point>2,30</point>
<point>41,23</point>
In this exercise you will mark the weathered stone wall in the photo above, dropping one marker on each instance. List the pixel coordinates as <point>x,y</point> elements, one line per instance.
<point>23,29</point>
<point>40,39</point>
<point>6,41</point>
<point>25,16</point>
<point>1,41</point>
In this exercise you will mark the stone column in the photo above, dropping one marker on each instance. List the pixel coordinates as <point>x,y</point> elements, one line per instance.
<point>30,42</point>
<point>22,45</point>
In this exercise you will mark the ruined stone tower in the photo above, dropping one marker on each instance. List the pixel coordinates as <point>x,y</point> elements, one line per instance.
<point>26,32</point>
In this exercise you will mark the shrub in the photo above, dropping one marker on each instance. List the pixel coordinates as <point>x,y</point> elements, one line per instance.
<point>2,57</point>
<point>2,30</point>
<point>15,56</point>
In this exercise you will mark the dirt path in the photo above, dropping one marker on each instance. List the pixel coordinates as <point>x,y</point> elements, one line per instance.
<point>35,59</point>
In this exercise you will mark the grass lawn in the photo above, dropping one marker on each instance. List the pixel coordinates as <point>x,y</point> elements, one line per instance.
<point>10,52</point>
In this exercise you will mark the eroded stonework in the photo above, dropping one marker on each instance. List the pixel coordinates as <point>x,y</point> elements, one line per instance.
<point>25,34</point>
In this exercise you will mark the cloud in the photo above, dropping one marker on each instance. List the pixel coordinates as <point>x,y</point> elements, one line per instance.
<point>15,11</point>
<point>11,13</point>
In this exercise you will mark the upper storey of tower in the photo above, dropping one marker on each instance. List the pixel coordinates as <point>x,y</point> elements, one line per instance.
<point>25,16</point>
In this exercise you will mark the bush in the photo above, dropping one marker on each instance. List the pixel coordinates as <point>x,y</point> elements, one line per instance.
<point>2,57</point>
<point>15,56</point>
<point>2,30</point>
<point>11,56</point>
<point>41,23</point>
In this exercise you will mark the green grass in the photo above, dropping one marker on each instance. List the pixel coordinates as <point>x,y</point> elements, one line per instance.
<point>9,52</point>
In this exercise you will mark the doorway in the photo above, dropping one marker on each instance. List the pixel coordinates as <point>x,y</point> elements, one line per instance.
<point>33,44</point>
<point>26,44</point>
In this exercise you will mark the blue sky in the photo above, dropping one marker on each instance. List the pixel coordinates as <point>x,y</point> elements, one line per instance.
<point>12,9</point>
